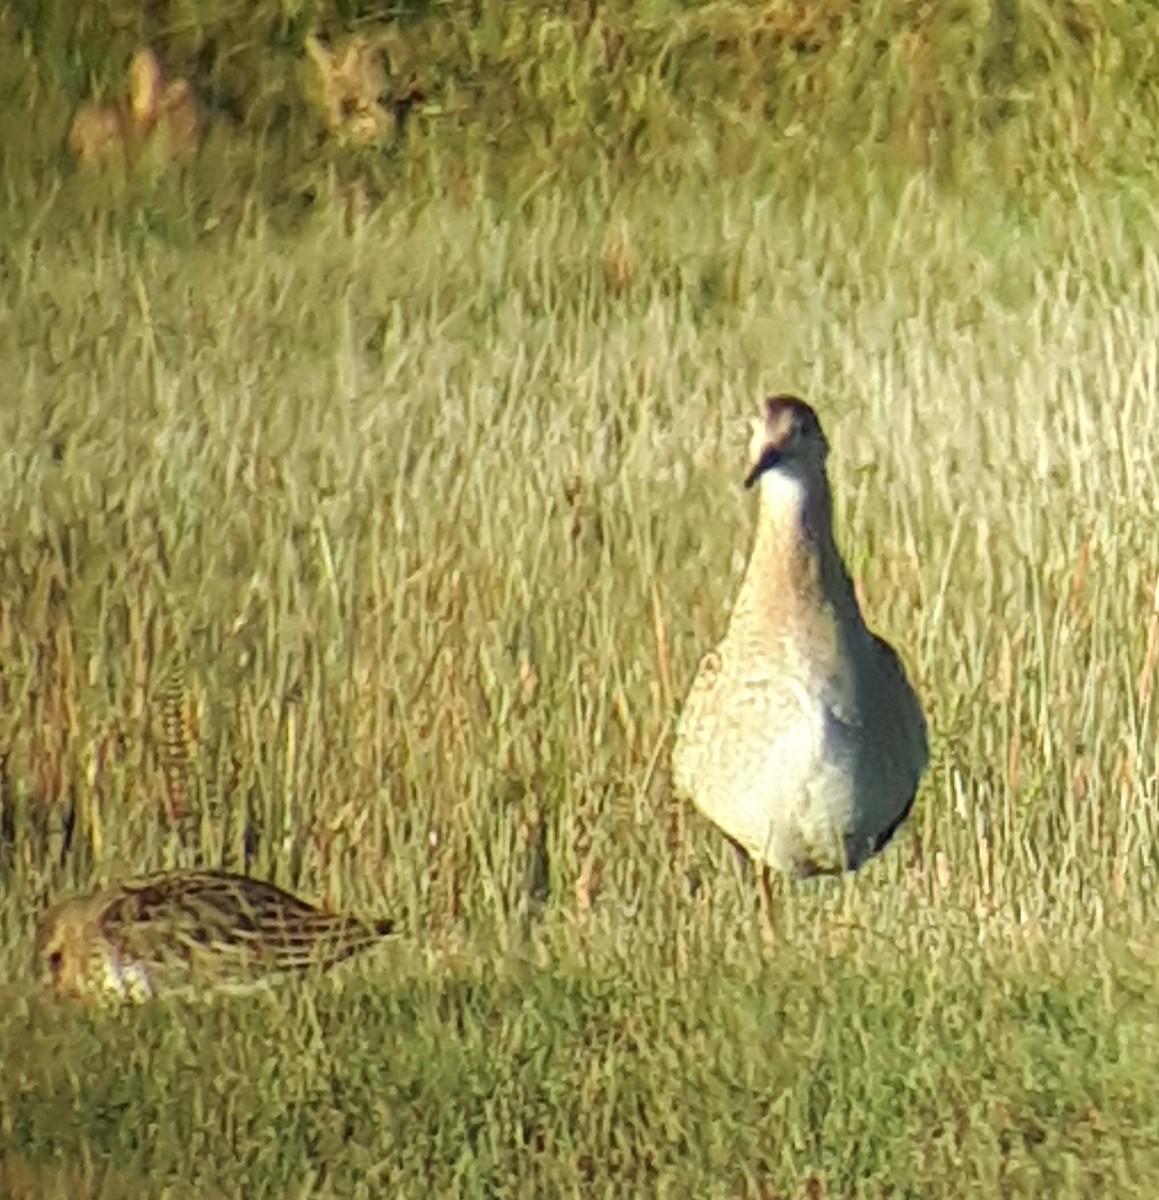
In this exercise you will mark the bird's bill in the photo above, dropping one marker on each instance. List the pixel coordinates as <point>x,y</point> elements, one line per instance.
<point>768,459</point>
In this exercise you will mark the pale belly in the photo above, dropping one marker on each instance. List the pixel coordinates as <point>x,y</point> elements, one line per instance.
<point>792,801</point>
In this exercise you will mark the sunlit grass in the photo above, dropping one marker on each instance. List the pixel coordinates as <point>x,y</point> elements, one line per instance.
<point>435,517</point>
<point>438,568</point>
<point>372,548</point>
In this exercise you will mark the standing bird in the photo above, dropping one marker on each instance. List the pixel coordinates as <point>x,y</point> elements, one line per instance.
<point>190,930</point>
<point>801,737</point>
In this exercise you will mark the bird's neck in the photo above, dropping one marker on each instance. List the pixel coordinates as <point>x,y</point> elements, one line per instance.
<point>795,572</point>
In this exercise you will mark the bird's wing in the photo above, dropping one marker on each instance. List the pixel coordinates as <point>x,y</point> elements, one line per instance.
<point>901,700</point>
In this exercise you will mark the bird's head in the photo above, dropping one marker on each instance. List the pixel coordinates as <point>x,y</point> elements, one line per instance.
<point>786,439</point>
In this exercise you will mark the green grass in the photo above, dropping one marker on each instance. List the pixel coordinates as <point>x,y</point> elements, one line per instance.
<point>426,507</point>
<point>868,1074</point>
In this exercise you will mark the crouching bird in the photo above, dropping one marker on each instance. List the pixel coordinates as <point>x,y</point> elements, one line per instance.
<point>801,737</point>
<point>190,931</point>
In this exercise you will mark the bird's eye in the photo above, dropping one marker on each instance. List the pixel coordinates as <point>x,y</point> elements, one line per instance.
<point>54,961</point>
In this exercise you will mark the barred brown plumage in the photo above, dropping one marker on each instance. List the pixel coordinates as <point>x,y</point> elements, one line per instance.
<point>191,930</point>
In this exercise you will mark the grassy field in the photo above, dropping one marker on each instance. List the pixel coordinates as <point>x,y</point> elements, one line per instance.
<point>370,546</point>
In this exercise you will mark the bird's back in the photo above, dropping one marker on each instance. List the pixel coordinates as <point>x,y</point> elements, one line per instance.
<point>183,930</point>
<point>231,924</point>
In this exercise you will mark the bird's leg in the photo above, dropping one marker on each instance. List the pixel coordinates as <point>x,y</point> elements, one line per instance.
<point>765,903</point>
<point>742,856</point>
<point>746,863</point>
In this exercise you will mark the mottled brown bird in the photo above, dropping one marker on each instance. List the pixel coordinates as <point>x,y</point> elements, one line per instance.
<point>801,737</point>
<point>183,931</point>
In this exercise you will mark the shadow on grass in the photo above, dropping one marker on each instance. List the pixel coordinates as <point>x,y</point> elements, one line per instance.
<point>526,1082</point>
